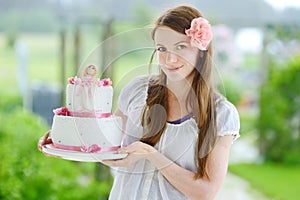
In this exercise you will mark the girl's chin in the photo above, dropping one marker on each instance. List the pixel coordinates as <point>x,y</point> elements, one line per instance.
<point>175,77</point>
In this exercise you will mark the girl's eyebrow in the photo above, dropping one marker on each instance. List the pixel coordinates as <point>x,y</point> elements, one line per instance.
<point>180,42</point>
<point>174,44</point>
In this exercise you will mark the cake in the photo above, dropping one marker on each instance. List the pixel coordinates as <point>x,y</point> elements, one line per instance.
<point>86,124</point>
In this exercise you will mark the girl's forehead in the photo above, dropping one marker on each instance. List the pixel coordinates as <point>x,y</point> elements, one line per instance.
<point>166,35</point>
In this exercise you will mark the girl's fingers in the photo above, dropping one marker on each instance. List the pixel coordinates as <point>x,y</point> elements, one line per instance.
<point>113,163</point>
<point>123,150</point>
<point>44,140</point>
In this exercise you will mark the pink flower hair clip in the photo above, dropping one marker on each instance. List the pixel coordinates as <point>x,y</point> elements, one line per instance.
<point>200,33</point>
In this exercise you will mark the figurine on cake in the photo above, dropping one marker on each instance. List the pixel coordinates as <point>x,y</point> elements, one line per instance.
<point>88,96</point>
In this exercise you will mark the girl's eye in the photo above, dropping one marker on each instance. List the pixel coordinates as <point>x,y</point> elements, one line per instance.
<point>161,49</point>
<point>181,46</point>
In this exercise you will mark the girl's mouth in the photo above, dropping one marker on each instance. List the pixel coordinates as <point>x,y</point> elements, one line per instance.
<point>172,69</point>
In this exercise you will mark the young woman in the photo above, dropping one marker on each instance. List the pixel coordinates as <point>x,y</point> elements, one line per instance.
<point>178,129</point>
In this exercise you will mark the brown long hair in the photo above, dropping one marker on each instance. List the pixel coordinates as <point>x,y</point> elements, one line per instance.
<point>200,97</point>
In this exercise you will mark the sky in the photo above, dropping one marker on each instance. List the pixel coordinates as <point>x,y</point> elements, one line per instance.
<point>281,4</point>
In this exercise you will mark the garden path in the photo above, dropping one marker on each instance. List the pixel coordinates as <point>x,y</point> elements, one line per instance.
<point>234,187</point>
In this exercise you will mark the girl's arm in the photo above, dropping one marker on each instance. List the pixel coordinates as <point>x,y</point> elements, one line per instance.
<point>183,179</point>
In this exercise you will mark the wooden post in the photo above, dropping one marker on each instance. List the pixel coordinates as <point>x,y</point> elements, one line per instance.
<point>76,49</point>
<point>103,173</point>
<point>268,34</point>
<point>268,30</point>
<point>62,63</point>
<point>106,70</point>
<point>108,49</point>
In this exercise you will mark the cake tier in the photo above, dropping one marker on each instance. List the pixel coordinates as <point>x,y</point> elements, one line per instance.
<point>75,133</point>
<point>89,98</point>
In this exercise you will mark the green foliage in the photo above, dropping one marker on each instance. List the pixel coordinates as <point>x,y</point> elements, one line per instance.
<point>11,37</point>
<point>26,173</point>
<point>10,103</point>
<point>286,31</point>
<point>230,90</point>
<point>279,120</point>
<point>276,181</point>
<point>248,122</point>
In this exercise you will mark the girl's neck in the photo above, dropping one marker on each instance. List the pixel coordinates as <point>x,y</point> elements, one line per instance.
<point>177,99</point>
<point>179,89</point>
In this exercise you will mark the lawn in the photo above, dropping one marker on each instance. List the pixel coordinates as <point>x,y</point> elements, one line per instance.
<point>275,181</point>
<point>43,60</point>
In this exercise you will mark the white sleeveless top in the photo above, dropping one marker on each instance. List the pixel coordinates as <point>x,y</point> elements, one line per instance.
<point>143,181</point>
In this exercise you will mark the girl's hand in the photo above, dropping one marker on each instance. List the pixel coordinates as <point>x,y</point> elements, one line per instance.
<point>44,140</point>
<point>136,151</point>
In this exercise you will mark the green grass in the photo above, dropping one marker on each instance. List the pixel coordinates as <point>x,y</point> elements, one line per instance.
<point>275,181</point>
<point>43,60</point>
<point>42,64</point>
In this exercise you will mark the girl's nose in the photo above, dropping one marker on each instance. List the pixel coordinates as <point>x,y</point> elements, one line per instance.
<point>171,57</point>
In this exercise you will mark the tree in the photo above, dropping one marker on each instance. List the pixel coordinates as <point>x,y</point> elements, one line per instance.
<point>279,119</point>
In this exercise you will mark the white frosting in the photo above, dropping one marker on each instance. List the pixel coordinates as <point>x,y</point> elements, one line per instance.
<point>81,131</point>
<point>82,98</point>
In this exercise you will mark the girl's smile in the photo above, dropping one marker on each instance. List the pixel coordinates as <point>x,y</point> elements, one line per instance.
<point>174,69</point>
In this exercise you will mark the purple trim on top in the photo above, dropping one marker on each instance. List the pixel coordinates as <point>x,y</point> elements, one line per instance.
<point>179,121</point>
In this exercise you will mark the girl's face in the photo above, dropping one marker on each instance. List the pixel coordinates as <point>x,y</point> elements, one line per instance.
<point>176,57</point>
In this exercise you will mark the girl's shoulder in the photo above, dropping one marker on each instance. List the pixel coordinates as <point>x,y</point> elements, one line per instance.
<point>228,121</point>
<point>134,93</point>
<point>136,85</point>
<point>222,104</point>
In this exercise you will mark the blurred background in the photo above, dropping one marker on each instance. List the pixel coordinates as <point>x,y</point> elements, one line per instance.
<point>257,67</point>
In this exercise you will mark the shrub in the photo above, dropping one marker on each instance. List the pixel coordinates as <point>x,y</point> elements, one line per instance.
<point>25,173</point>
<point>9,103</point>
<point>279,120</point>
